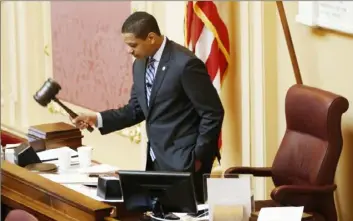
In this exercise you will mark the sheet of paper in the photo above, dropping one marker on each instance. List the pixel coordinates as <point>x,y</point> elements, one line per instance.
<point>71,178</point>
<point>74,161</point>
<point>99,168</point>
<point>229,191</point>
<point>110,178</point>
<point>90,192</point>
<point>184,216</point>
<point>52,154</point>
<point>281,213</point>
<point>11,146</point>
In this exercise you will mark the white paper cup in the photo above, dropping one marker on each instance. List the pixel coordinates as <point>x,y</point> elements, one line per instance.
<point>10,155</point>
<point>85,156</point>
<point>64,159</point>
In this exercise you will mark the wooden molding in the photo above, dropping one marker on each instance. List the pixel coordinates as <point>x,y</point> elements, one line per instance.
<point>45,199</point>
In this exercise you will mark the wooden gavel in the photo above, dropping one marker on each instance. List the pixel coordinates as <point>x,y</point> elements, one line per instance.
<point>48,92</point>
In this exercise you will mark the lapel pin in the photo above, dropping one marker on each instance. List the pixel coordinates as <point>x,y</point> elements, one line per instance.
<point>163,68</point>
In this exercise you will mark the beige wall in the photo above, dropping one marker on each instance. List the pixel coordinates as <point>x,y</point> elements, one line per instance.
<point>325,60</point>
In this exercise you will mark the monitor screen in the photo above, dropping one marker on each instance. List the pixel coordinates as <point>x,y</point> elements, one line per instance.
<point>158,192</point>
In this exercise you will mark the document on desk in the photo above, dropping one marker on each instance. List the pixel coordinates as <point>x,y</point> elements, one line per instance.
<point>281,213</point>
<point>12,146</point>
<point>71,178</point>
<point>98,168</point>
<point>74,161</point>
<point>52,154</point>
<point>202,217</point>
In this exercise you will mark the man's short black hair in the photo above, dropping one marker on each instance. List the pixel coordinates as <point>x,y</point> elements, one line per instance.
<point>140,24</point>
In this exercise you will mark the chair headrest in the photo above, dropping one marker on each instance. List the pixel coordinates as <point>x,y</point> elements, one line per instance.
<point>312,110</point>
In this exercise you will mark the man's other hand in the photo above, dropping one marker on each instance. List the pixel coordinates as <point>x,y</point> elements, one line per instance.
<point>198,165</point>
<point>82,121</point>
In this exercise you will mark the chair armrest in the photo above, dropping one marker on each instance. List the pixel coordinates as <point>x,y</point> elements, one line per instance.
<point>281,194</point>
<point>256,171</point>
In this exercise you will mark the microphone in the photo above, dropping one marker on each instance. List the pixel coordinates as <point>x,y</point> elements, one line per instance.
<point>149,85</point>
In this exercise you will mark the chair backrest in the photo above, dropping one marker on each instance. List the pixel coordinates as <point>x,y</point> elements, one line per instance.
<point>312,143</point>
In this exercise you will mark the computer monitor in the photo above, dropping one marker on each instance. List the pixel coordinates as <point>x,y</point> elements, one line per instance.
<point>162,193</point>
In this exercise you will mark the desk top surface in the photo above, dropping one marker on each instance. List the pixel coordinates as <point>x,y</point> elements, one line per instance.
<point>24,189</point>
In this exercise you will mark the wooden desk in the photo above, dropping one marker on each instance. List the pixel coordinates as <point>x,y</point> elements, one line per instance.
<point>45,199</point>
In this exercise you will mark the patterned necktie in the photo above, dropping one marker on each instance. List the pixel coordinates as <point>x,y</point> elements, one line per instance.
<point>150,75</point>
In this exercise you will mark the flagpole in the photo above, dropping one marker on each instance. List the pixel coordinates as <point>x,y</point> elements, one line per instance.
<point>293,57</point>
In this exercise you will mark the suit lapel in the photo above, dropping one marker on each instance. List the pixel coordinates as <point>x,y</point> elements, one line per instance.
<point>160,74</point>
<point>140,78</point>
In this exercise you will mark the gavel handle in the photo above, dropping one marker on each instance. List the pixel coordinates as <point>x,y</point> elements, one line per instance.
<point>70,112</point>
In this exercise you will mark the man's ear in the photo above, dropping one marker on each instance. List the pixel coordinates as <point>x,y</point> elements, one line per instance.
<point>151,37</point>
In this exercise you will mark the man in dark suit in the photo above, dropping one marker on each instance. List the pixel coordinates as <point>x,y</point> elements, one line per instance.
<point>173,92</point>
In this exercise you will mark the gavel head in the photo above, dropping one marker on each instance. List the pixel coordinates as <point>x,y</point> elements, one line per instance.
<point>47,92</point>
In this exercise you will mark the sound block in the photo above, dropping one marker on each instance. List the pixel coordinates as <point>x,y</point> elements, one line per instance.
<point>42,167</point>
<point>109,187</point>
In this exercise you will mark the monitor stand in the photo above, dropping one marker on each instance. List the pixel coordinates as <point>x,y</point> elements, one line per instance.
<point>159,214</point>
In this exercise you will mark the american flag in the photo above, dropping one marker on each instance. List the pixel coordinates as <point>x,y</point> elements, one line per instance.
<point>207,36</point>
